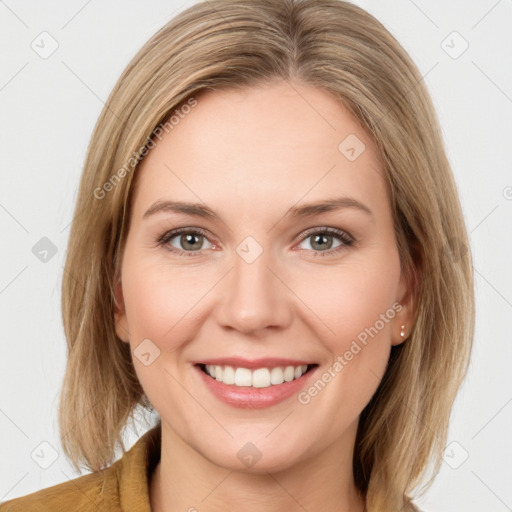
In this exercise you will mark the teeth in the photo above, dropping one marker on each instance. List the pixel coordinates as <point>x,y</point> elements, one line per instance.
<point>243,377</point>
<point>289,373</point>
<point>260,378</point>
<point>228,375</point>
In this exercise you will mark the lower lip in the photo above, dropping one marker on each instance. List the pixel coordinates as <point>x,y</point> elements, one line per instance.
<point>255,398</point>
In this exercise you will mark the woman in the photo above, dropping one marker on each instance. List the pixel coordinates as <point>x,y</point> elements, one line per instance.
<point>268,249</point>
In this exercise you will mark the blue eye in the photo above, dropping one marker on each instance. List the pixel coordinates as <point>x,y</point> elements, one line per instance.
<point>191,241</point>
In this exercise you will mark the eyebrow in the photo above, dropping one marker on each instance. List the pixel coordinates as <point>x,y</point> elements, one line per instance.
<point>295,212</point>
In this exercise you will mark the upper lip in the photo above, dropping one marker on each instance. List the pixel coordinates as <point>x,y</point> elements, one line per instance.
<point>265,362</point>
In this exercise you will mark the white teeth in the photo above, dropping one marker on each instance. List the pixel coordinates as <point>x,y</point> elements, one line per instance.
<point>276,375</point>
<point>289,373</point>
<point>260,378</point>
<point>243,377</point>
<point>228,376</point>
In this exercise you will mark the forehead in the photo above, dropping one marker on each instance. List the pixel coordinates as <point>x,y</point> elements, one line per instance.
<point>271,145</point>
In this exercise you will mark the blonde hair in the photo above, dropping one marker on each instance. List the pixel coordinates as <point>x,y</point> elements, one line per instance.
<point>339,48</point>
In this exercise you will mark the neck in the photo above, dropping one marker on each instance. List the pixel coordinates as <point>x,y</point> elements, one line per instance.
<point>185,480</point>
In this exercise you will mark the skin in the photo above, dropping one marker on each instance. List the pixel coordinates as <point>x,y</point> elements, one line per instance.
<point>250,155</point>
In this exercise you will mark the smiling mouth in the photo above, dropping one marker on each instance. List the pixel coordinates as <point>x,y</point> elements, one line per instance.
<point>257,378</point>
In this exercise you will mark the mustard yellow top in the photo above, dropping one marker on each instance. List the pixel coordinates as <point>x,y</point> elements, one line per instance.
<point>123,486</point>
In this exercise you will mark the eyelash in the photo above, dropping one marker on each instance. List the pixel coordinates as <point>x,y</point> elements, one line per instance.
<point>341,235</point>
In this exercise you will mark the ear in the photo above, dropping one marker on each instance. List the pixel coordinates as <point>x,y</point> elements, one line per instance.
<point>120,319</point>
<point>407,298</point>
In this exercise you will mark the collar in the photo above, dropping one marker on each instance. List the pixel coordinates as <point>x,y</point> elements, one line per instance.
<point>135,470</point>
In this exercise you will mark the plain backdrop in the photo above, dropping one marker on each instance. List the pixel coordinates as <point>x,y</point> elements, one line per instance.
<point>48,107</point>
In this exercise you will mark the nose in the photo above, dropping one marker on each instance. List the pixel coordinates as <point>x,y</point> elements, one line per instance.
<point>254,296</point>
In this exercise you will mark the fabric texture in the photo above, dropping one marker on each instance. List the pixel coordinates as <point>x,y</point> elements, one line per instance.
<point>122,487</point>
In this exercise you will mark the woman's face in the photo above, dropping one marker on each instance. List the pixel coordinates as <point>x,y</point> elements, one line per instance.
<point>262,282</point>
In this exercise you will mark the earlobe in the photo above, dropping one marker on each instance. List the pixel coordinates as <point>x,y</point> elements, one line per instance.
<point>121,324</point>
<point>404,320</point>
<point>402,335</point>
<point>402,328</point>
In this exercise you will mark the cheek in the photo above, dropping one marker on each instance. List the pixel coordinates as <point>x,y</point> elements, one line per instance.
<point>356,306</point>
<point>160,300</point>
<point>159,304</point>
<point>351,298</point>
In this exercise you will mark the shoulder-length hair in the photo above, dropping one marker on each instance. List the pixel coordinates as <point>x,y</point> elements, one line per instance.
<point>339,48</point>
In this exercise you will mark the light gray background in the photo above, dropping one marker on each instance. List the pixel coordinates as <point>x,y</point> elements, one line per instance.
<point>48,108</point>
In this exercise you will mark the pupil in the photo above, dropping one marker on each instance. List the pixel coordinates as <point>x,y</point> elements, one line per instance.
<point>318,237</point>
<point>188,238</point>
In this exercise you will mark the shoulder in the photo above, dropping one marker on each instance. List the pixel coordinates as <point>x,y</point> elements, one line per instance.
<point>124,482</point>
<point>93,492</point>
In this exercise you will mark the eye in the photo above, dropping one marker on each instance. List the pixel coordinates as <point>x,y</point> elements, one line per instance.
<point>189,241</point>
<point>322,240</point>
<point>185,241</point>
